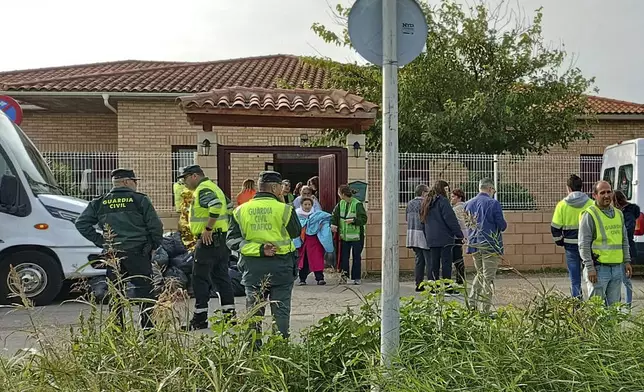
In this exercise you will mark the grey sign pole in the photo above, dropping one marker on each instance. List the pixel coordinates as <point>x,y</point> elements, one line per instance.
<point>390,299</point>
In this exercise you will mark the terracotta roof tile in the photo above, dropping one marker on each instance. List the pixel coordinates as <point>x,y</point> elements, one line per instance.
<point>166,77</point>
<point>601,105</point>
<point>262,99</point>
<point>192,77</point>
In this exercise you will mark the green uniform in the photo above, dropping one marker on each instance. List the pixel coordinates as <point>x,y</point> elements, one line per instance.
<point>137,229</point>
<point>264,219</point>
<point>130,215</point>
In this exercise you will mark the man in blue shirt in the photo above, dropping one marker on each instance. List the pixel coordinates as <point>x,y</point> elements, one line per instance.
<point>485,242</point>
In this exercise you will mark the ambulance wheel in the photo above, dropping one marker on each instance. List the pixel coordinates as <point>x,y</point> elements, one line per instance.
<point>37,272</point>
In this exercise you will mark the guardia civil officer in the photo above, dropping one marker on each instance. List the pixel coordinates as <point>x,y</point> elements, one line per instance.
<point>137,229</point>
<point>603,246</point>
<point>209,222</point>
<point>262,230</point>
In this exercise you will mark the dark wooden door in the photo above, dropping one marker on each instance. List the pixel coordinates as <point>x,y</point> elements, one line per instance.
<point>328,191</point>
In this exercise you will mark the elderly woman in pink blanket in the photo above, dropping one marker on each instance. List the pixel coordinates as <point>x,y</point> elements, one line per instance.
<point>316,240</point>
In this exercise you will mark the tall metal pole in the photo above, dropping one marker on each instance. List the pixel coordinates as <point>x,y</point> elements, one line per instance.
<point>496,176</point>
<point>390,300</point>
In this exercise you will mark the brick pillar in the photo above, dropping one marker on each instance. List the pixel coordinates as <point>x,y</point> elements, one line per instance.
<point>358,172</point>
<point>208,163</point>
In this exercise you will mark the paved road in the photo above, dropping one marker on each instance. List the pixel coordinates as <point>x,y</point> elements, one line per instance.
<point>310,303</point>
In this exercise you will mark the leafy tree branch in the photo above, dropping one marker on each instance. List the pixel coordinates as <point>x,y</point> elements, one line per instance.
<point>487,83</point>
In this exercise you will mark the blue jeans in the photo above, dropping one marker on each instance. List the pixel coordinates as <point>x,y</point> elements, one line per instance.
<point>573,261</point>
<point>629,289</point>
<point>609,282</point>
<point>355,249</point>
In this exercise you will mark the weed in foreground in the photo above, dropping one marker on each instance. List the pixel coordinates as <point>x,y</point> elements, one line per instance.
<point>552,344</point>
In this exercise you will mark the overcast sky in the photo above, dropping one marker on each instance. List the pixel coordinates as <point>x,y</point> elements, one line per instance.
<point>605,36</point>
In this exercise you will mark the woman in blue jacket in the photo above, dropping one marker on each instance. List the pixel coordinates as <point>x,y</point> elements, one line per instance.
<point>441,230</point>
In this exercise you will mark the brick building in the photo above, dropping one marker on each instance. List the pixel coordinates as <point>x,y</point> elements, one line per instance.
<point>129,109</point>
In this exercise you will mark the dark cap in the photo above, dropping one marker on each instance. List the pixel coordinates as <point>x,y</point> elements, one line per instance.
<point>270,176</point>
<point>192,169</point>
<point>121,174</point>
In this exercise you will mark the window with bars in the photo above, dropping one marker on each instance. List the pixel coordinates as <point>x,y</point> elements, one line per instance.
<point>182,156</point>
<point>590,166</point>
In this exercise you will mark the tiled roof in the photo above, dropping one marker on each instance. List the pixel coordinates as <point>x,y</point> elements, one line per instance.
<point>273,100</point>
<point>192,77</point>
<point>601,105</point>
<point>166,77</point>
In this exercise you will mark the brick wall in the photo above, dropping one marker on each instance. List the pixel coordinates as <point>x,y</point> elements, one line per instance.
<point>605,132</point>
<point>545,177</point>
<point>154,126</point>
<point>151,127</point>
<point>71,131</point>
<point>527,241</point>
<point>244,166</point>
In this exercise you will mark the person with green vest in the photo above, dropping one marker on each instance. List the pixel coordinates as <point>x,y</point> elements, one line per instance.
<point>262,231</point>
<point>286,192</point>
<point>177,189</point>
<point>603,246</point>
<point>349,219</point>
<point>209,222</point>
<point>565,229</point>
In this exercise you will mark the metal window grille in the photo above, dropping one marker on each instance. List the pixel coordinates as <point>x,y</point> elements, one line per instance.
<point>86,175</point>
<point>524,182</point>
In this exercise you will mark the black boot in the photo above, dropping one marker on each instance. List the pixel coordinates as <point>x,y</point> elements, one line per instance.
<point>230,315</point>
<point>198,321</point>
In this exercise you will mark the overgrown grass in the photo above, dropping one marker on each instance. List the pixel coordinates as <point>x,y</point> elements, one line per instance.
<point>556,344</point>
<point>553,344</point>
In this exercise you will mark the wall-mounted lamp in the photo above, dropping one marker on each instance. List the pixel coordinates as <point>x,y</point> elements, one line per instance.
<point>304,139</point>
<point>356,149</point>
<point>205,147</point>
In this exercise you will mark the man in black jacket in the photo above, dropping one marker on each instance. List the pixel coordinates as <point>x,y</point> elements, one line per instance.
<point>137,231</point>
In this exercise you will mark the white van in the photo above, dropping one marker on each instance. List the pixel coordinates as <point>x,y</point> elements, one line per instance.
<point>623,168</point>
<point>37,232</point>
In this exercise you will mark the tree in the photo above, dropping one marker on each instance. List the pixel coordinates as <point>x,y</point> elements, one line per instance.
<point>64,178</point>
<point>485,85</point>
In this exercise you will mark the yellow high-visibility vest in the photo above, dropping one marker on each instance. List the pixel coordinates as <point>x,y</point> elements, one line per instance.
<point>263,220</point>
<point>567,218</point>
<point>199,215</point>
<point>608,235</point>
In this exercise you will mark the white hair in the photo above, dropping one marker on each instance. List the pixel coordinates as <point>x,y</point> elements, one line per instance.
<point>116,182</point>
<point>486,184</point>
